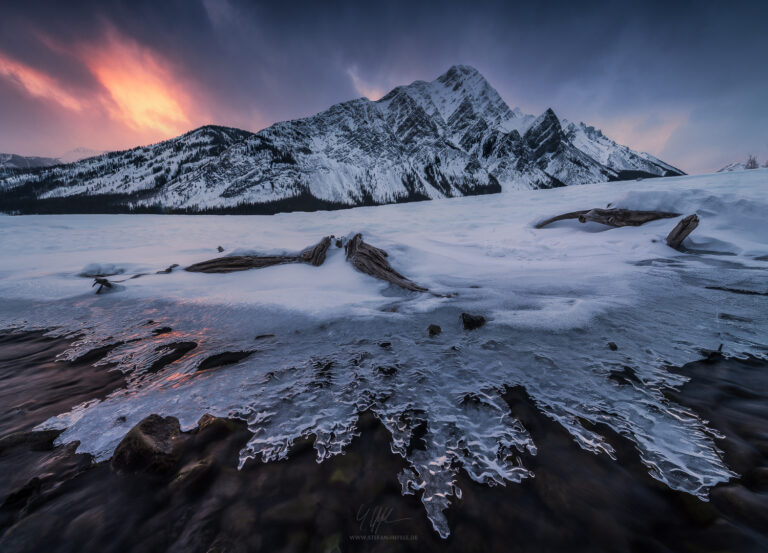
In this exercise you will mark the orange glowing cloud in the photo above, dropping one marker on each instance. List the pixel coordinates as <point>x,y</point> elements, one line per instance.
<point>363,88</point>
<point>143,93</point>
<point>643,132</point>
<point>37,84</point>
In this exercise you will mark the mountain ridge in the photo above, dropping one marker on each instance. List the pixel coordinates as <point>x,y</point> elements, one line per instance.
<point>452,136</point>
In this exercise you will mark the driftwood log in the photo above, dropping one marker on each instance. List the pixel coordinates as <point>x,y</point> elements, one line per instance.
<point>101,283</point>
<point>563,217</point>
<point>314,255</point>
<point>611,217</point>
<point>681,231</point>
<point>372,261</point>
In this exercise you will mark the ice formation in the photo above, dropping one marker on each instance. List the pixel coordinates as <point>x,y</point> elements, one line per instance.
<point>553,298</point>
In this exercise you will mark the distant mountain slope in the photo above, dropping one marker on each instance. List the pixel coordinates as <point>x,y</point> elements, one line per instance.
<point>15,162</point>
<point>79,153</point>
<point>453,136</point>
<point>742,166</point>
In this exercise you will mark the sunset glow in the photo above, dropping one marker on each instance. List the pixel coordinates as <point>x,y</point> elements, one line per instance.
<point>371,92</point>
<point>645,133</point>
<point>37,84</point>
<point>141,89</point>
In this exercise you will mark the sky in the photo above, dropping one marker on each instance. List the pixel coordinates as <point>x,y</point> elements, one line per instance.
<point>685,81</point>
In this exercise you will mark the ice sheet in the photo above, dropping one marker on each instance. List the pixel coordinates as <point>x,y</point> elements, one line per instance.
<point>553,297</point>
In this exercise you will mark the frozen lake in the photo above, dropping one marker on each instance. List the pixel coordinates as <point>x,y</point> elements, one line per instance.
<point>554,298</point>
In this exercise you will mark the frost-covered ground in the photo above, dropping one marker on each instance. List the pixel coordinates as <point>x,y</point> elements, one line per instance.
<point>554,299</point>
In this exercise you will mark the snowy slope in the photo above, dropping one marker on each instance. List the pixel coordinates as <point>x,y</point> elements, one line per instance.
<point>133,171</point>
<point>79,153</point>
<point>554,298</point>
<point>453,136</point>
<point>737,166</point>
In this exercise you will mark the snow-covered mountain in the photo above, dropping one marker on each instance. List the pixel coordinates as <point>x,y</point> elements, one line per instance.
<point>79,153</point>
<point>453,136</point>
<point>738,166</point>
<point>16,162</point>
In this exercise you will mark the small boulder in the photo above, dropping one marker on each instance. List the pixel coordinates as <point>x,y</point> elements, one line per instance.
<point>434,330</point>
<point>36,440</point>
<point>150,446</point>
<point>612,346</point>
<point>387,370</point>
<point>472,322</point>
<point>225,425</point>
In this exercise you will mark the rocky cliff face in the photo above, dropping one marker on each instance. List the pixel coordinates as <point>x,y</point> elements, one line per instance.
<point>453,136</point>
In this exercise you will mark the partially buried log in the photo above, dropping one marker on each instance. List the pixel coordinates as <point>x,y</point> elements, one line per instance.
<point>611,217</point>
<point>372,261</point>
<point>228,264</point>
<point>563,217</point>
<point>102,283</point>
<point>168,270</point>
<point>316,254</point>
<point>681,231</point>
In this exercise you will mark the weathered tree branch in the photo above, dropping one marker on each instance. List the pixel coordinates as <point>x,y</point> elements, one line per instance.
<point>228,264</point>
<point>624,217</point>
<point>316,254</point>
<point>372,261</point>
<point>612,217</point>
<point>102,283</point>
<point>681,231</point>
<point>564,216</point>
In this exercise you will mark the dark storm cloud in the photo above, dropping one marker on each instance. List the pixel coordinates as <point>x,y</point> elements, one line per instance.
<point>684,80</point>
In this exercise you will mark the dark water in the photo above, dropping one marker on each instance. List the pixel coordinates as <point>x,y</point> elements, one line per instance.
<point>56,500</point>
<point>34,387</point>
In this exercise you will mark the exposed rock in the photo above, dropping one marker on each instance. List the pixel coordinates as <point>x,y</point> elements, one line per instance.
<point>150,446</point>
<point>175,351</point>
<point>387,370</point>
<point>224,358</point>
<point>738,501</point>
<point>209,420</point>
<point>612,346</point>
<point>625,377</point>
<point>22,496</point>
<point>472,322</point>
<point>434,330</point>
<point>36,440</point>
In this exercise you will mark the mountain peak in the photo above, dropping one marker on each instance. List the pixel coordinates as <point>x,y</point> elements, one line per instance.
<point>463,76</point>
<point>457,72</point>
<point>448,137</point>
